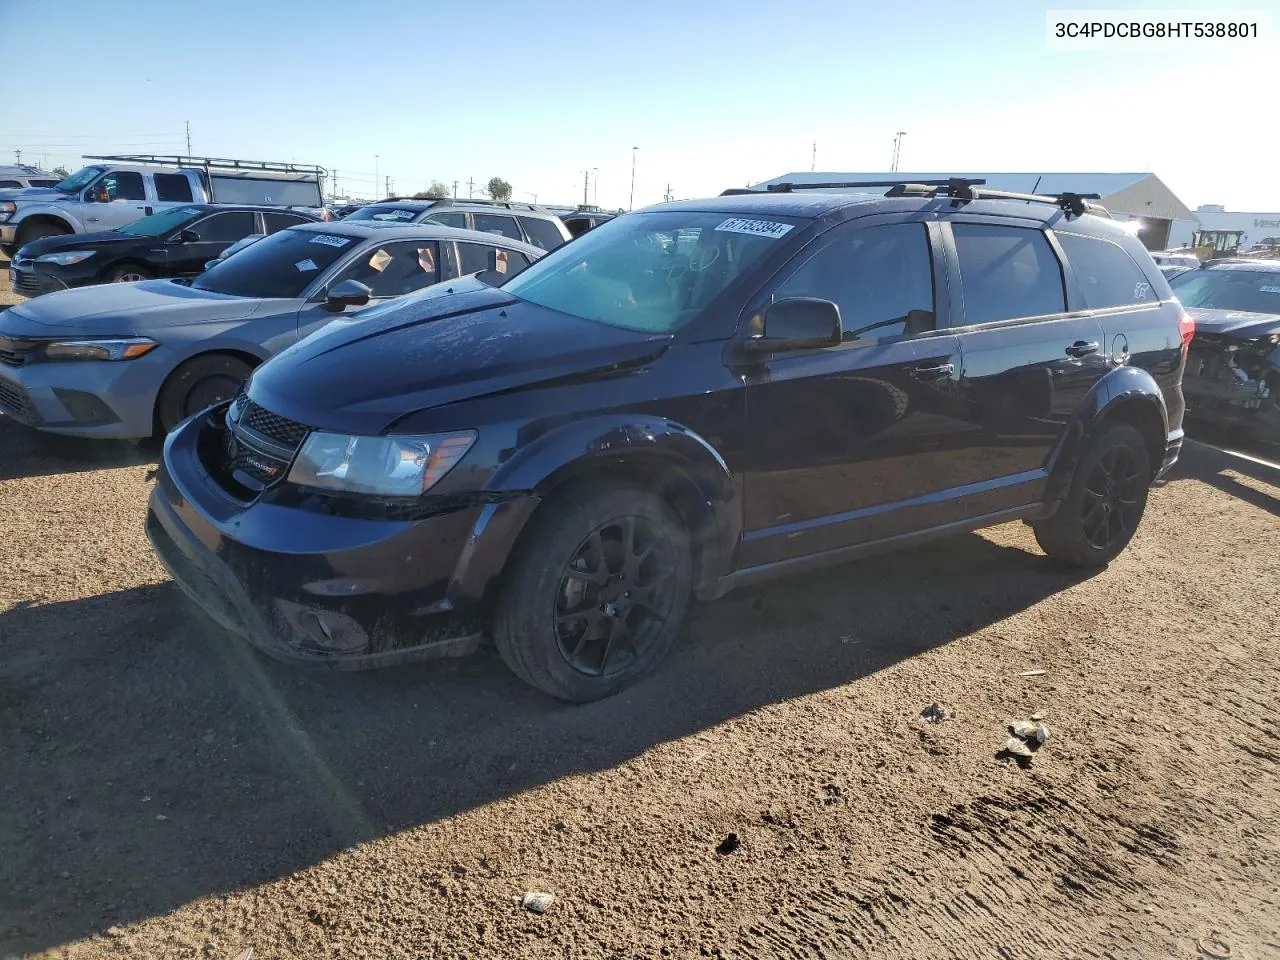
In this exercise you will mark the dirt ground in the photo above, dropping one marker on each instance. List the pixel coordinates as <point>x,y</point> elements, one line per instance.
<point>7,296</point>
<point>168,793</point>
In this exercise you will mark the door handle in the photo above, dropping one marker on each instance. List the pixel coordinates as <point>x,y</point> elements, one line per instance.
<point>1082,348</point>
<point>91,219</point>
<point>936,372</point>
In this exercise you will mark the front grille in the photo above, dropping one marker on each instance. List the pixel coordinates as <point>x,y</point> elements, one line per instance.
<point>240,458</point>
<point>11,358</point>
<point>26,283</point>
<point>286,432</point>
<point>13,400</point>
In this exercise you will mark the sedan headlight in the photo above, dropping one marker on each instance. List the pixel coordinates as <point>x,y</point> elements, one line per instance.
<point>396,466</point>
<point>125,348</point>
<point>66,259</point>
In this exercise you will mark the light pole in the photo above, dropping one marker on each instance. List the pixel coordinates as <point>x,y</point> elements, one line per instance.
<point>376,181</point>
<point>632,202</point>
<point>897,148</point>
<point>596,189</point>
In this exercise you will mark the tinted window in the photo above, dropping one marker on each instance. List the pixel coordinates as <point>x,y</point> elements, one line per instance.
<point>880,277</point>
<point>1007,272</point>
<point>124,185</point>
<point>386,214</point>
<point>491,223</point>
<point>1254,291</point>
<point>542,233</point>
<point>173,186</point>
<point>279,221</point>
<point>9,183</point>
<point>1107,275</point>
<point>393,269</point>
<point>650,271</point>
<point>458,220</point>
<point>161,223</point>
<point>43,183</point>
<point>226,227</point>
<point>280,265</point>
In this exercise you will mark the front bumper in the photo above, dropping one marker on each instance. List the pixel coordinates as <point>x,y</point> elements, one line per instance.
<point>315,588</point>
<point>84,399</point>
<point>8,233</point>
<point>1233,404</point>
<point>31,279</point>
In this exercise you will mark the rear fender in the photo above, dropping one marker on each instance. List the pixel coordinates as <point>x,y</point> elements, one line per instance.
<point>658,452</point>
<point>1126,394</point>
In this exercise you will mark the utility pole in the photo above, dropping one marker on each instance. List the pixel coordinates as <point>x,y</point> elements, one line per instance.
<point>596,199</point>
<point>814,162</point>
<point>188,138</point>
<point>335,183</point>
<point>18,153</point>
<point>632,202</point>
<point>897,149</point>
<point>470,184</point>
<point>667,194</point>
<point>376,179</point>
<point>455,189</point>
<point>586,176</point>
<point>388,185</point>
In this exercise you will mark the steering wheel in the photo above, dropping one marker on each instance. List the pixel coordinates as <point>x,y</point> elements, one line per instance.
<point>703,258</point>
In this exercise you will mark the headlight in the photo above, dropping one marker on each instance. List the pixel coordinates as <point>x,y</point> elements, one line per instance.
<point>66,259</point>
<point>123,349</point>
<point>403,466</point>
<point>7,207</point>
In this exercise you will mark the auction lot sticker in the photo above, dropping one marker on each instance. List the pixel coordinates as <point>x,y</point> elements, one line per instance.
<point>756,228</point>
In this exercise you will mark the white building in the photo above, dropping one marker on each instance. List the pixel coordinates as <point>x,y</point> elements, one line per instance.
<point>1129,196</point>
<point>1256,227</point>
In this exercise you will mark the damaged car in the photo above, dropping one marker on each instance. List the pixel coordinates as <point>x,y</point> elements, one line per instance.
<point>1233,370</point>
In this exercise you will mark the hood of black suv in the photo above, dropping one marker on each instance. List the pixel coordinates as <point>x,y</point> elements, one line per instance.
<point>364,374</point>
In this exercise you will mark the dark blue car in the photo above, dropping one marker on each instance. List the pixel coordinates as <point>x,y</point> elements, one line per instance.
<point>690,398</point>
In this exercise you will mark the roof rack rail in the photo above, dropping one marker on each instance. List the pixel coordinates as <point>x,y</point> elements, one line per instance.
<point>1076,204</point>
<point>789,187</point>
<point>210,163</point>
<point>450,201</point>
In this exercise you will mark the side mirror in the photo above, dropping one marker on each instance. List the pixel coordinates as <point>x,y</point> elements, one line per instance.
<point>348,293</point>
<point>798,323</point>
<point>187,236</point>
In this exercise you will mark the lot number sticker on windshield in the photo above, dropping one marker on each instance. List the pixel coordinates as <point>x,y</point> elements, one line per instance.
<point>756,228</point>
<point>330,241</point>
<point>1269,289</point>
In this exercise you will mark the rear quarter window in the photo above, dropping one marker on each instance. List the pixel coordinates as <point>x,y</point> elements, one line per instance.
<point>1106,273</point>
<point>542,233</point>
<point>1007,272</point>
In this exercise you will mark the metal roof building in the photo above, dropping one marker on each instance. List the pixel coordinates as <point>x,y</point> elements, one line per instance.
<point>1128,196</point>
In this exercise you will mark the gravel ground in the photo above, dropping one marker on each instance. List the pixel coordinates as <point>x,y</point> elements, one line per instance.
<point>168,793</point>
<point>7,296</point>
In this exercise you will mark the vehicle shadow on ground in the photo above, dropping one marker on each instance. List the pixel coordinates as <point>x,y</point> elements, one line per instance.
<point>1213,465</point>
<point>25,452</point>
<point>152,760</point>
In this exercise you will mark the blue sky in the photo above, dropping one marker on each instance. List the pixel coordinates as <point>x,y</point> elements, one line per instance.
<point>714,94</point>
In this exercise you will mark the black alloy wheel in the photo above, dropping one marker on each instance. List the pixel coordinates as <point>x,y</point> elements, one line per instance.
<point>1109,510</point>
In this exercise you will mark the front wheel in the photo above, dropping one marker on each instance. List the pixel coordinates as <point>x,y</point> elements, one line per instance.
<point>1105,502</point>
<point>597,593</point>
<point>128,273</point>
<point>199,383</point>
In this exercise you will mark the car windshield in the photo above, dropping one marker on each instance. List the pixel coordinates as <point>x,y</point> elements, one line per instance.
<point>78,180</point>
<point>161,223</point>
<point>385,214</point>
<point>1253,291</point>
<point>649,271</point>
<point>281,265</point>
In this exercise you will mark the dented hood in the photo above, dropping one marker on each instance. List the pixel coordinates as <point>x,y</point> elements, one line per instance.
<point>1235,323</point>
<point>452,342</point>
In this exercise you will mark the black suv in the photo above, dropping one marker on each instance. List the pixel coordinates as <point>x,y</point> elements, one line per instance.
<point>697,396</point>
<point>525,222</point>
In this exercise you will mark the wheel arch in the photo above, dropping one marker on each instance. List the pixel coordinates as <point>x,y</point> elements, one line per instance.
<point>1124,395</point>
<point>239,353</point>
<point>36,219</point>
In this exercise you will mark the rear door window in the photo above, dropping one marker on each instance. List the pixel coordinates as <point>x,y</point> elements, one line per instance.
<point>173,186</point>
<point>493,223</point>
<point>458,220</point>
<point>542,233</point>
<point>394,269</point>
<point>1007,272</point>
<point>474,257</point>
<point>279,221</point>
<point>226,227</point>
<point>1107,275</point>
<point>6,184</point>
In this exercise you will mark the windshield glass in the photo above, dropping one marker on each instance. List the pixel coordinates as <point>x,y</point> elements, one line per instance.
<point>649,271</point>
<point>280,265</point>
<point>1254,291</point>
<point>161,223</point>
<point>385,214</point>
<point>78,180</point>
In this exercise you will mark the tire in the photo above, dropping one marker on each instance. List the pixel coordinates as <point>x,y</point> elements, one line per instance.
<point>1099,516</point>
<point>558,617</point>
<point>38,231</point>
<point>127,273</point>
<point>198,383</point>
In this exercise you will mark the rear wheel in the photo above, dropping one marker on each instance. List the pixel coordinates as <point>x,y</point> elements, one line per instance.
<point>597,593</point>
<point>1105,502</point>
<point>128,273</point>
<point>199,383</point>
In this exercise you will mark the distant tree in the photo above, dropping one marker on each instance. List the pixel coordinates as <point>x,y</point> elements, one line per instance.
<point>61,171</point>
<point>499,189</point>
<point>437,191</point>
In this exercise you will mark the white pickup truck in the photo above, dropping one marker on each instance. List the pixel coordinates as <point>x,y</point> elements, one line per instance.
<point>116,190</point>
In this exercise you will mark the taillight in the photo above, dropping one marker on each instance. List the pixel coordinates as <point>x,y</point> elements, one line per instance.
<point>1186,330</point>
